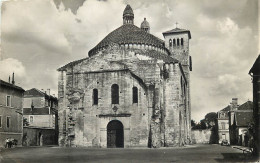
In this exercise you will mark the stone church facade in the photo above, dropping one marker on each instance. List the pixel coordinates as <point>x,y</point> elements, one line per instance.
<point>132,91</point>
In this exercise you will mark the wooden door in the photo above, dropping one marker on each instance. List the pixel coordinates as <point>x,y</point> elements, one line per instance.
<point>115,134</point>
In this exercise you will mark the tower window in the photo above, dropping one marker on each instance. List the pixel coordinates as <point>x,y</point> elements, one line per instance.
<point>76,79</point>
<point>95,96</point>
<point>170,42</point>
<point>0,121</point>
<point>174,42</point>
<point>115,94</point>
<point>182,41</point>
<point>135,95</point>
<point>178,42</point>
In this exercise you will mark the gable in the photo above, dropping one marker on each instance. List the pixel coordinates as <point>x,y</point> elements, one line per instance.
<point>34,93</point>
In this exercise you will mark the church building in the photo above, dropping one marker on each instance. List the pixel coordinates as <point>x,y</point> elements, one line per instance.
<point>133,90</point>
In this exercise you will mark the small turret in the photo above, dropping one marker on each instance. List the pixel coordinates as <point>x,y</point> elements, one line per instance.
<point>145,26</point>
<point>128,15</point>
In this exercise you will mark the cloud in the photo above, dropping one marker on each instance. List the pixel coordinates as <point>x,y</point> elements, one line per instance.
<point>10,65</point>
<point>42,37</point>
<point>227,26</point>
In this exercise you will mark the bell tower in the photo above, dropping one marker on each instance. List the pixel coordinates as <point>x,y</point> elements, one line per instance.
<point>177,41</point>
<point>128,15</point>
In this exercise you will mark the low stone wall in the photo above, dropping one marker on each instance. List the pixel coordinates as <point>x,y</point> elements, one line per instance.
<point>201,136</point>
<point>5,135</point>
<point>39,136</point>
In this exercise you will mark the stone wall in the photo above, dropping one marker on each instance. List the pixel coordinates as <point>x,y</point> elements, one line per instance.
<point>39,136</point>
<point>160,118</point>
<point>201,136</point>
<point>91,125</point>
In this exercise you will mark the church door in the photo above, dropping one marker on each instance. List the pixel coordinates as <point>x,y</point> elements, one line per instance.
<point>115,134</point>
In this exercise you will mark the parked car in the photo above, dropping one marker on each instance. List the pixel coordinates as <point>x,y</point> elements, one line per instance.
<point>224,142</point>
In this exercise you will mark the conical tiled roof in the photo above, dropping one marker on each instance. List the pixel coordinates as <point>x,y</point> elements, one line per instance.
<point>145,24</point>
<point>128,11</point>
<point>128,34</point>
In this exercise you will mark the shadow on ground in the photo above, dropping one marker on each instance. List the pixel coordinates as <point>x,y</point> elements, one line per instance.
<point>236,157</point>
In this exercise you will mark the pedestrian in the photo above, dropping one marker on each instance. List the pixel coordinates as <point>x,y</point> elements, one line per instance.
<point>11,140</point>
<point>7,140</point>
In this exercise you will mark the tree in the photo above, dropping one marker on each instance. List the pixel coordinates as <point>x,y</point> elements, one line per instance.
<point>25,122</point>
<point>210,119</point>
<point>203,124</point>
<point>193,123</point>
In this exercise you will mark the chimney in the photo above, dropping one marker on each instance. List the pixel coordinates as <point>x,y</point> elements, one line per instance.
<point>234,104</point>
<point>13,82</point>
<point>9,79</point>
<point>49,91</point>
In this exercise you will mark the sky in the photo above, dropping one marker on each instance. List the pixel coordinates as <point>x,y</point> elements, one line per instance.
<point>39,36</point>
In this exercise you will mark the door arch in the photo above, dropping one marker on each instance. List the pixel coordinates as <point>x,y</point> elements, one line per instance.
<point>115,134</point>
<point>40,143</point>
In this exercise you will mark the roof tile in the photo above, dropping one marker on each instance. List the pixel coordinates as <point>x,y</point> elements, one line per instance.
<point>128,34</point>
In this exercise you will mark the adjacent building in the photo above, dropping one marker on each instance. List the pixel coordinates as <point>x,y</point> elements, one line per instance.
<point>234,121</point>
<point>11,104</point>
<point>223,120</point>
<point>41,116</point>
<point>255,73</point>
<point>223,124</point>
<point>132,91</point>
<point>239,120</point>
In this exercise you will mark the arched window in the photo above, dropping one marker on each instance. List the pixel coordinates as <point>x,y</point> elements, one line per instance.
<point>135,95</point>
<point>178,42</point>
<point>174,42</point>
<point>170,42</point>
<point>115,94</point>
<point>182,41</point>
<point>95,96</point>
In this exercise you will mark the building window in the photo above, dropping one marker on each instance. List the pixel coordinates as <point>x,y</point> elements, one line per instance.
<point>8,122</point>
<point>224,136</point>
<point>178,42</point>
<point>174,42</point>
<point>182,41</point>
<point>223,126</point>
<point>8,100</point>
<point>170,42</point>
<point>95,96</point>
<point>115,94</point>
<point>31,119</point>
<point>135,95</point>
<point>0,121</point>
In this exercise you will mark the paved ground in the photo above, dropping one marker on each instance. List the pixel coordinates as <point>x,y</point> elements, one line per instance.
<point>195,153</point>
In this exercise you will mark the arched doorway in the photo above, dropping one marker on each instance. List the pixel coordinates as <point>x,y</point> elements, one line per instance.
<point>115,134</point>
<point>40,139</point>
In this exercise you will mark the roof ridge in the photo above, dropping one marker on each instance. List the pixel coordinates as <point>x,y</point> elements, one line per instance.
<point>2,82</point>
<point>39,91</point>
